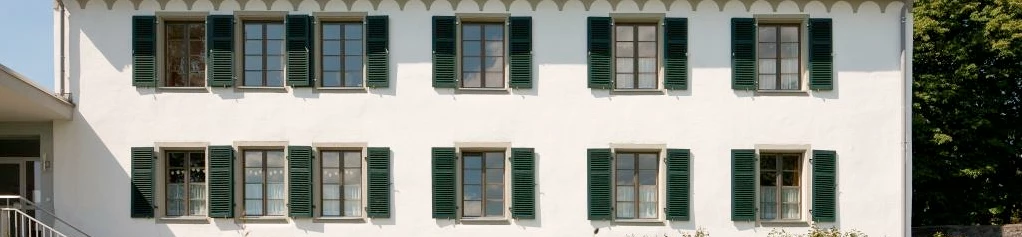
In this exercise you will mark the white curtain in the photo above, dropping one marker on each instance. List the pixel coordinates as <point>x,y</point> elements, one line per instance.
<point>175,199</point>
<point>790,197</point>
<point>647,201</point>
<point>275,196</point>
<point>197,199</point>
<point>768,202</point>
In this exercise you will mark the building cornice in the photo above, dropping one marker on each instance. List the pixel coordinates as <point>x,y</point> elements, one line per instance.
<point>265,4</point>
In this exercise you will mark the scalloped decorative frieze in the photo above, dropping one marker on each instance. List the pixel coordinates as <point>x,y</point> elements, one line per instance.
<point>774,4</point>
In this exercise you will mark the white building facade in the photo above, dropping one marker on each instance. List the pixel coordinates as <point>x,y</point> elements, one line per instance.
<point>466,118</point>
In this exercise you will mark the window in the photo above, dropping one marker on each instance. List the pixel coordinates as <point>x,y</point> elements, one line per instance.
<point>264,54</point>
<point>186,183</point>
<point>342,183</point>
<point>482,55</point>
<point>636,185</point>
<point>779,53</point>
<point>779,186</point>
<point>342,54</point>
<point>185,54</point>
<point>264,182</point>
<point>482,184</point>
<point>635,54</point>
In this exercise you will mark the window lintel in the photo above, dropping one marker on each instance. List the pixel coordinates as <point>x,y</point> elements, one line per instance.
<point>482,17</point>
<point>261,15</point>
<point>781,18</point>
<point>180,146</point>
<point>800,148</point>
<point>162,16</point>
<point>637,17</point>
<point>637,147</point>
<point>340,16</point>
<point>260,144</point>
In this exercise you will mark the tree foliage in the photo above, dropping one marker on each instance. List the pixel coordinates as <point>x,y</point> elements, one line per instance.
<point>967,117</point>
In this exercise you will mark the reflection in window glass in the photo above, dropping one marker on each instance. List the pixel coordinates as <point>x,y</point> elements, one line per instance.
<point>185,48</point>
<point>342,54</point>
<point>635,53</point>
<point>779,51</point>
<point>342,183</point>
<point>482,55</point>
<point>636,185</point>
<point>186,183</point>
<point>263,54</point>
<point>482,184</point>
<point>264,182</point>
<point>780,186</point>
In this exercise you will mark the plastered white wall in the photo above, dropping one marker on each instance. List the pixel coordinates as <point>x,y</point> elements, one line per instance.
<point>560,118</point>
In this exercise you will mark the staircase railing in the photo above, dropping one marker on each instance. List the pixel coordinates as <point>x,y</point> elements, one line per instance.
<point>18,203</point>
<point>16,223</point>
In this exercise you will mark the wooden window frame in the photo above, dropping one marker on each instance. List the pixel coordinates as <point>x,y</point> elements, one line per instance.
<point>502,22</point>
<point>635,184</point>
<point>343,57</point>
<point>264,39</point>
<point>778,183</point>
<point>187,183</point>
<point>165,46</point>
<point>635,53</point>
<point>778,75</point>
<point>341,168</point>
<point>264,167</point>
<point>482,183</point>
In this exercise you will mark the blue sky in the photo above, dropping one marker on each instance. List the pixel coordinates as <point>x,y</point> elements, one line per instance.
<point>27,43</point>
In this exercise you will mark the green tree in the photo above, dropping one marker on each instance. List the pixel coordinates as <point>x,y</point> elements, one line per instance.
<point>967,119</point>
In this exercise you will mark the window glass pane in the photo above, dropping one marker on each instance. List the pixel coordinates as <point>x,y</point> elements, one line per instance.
<point>176,30</point>
<point>495,176</point>
<point>767,66</point>
<point>253,63</point>
<point>789,178</point>
<point>253,78</point>
<point>473,80</point>
<point>624,49</point>
<point>624,65</point>
<point>253,47</point>
<point>331,176</point>
<point>275,159</point>
<point>647,81</point>
<point>494,64</point>
<point>353,47</point>
<point>275,31</point>
<point>253,31</point>
<point>175,207</point>
<point>196,48</point>
<point>353,208</point>
<point>625,81</point>
<point>768,178</point>
<point>623,33</point>
<point>253,207</point>
<point>767,34</point>
<point>253,191</point>
<point>647,33</point>
<point>625,210</point>
<point>647,210</point>
<point>275,207</point>
<point>473,209</point>
<point>275,47</point>
<point>791,211</point>
<point>789,50</point>
<point>647,161</point>
<point>789,34</point>
<point>494,48</point>
<point>767,50</point>
<point>275,78</point>
<point>331,208</point>
<point>789,81</point>
<point>767,162</point>
<point>625,177</point>
<point>331,63</point>
<point>647,49</point>
<point>790,195</point>
<point>176,175</point>
<point>331,191</point>
<point>471,32</point>
<point>352,62</point>
<point>494,80</point>
<point>495,32</point>
<point>331,79</point>
<point>352,176</point>
<point>353,78</point>
<point>472,192</point>
<point>791,163</point>
<point>625,161</point>
<point>197,175</point>
<point>495,208</point>
<point>647,65</point>
<point>626,193</point>
<point>352,192</point>
<point>647,177</point>
<point>473,176</point>
<point>331,47</point>
<point>275,191</point>
<point>275,175</point>
<point>495,191</point>
<point>789,65</point>
<point>473,160</point>
<point>767,82</point>
<point>471,64</point>
<point>253,175</point>
<point>176,159</point>
<point>331,159</point>
<point>768,204</point>
<point>471,48</point>
<point>352,159</point>
<point>331,31</point>
<point>198,77</point>
<point>353,31</point>
<point>494,159</point>
<point>274,63</point>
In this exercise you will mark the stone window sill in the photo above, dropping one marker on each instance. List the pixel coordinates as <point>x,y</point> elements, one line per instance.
<point>183,89</point>
<point>183,220</point>
<point>781,93</point>
<point>485,221</point>
<point>469,90</point>
<point>639,222</point>
<point>263,219</point>
<point>783,223</point>
<point>337,219</point>
<point>264,88</point>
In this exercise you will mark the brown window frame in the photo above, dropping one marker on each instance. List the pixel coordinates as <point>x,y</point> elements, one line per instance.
<point>187,52</point>
<point>636,186</point>
<point>342,54</point>
<point>482,53</point>
<point>482,183</point>
<point>187,182</point>
<point>635,54</point>
<point>778,42</point>
<point>265,194</point>
<point>341,168</point>
<point>264,38</point>
<point>779,203</point>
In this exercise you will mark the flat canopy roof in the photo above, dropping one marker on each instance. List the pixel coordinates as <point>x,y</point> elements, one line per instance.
<point>22,100</point>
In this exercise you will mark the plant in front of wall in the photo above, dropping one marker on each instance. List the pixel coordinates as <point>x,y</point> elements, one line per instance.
<point>700,232</point>
<point>816,231</point>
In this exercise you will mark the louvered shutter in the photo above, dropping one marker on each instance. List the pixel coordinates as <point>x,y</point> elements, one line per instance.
<point>299,50</point>
<point>600,47</point>
<point>143,51</point>
<point>299,162</point>
<point>678,184</point>
<point>377,50</point>
<point>143,172</point>
<point>520,48</point>
<point>444,51</point>
<point>676,53</point>
<point>444,163</point>
<point>220,43</point>
<point>221,181</point>
<point>599,174</point>
<point>378,196</point>
<point>743,185</point>
<point>824,186</point>
<point>821,50</point>
<point>523,183</point>
<point>743,53</point>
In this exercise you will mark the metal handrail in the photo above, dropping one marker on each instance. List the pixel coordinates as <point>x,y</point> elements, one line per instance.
<point>40,208</point>
<point>23,220</point>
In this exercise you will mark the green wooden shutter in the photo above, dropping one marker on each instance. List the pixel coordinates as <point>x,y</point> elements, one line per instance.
<point>143,172</point>
<point>299,163</point>
<point>523,183</point>
<point>824,186</point>
<point>220,43</point>
<point>600,48</point>
<point>143,51</point>
<point>675,53</point>
<point>221,181</point>
<point>821,59</point>
<point>743,185</point>
<point>599,172</point>
<point>520,48</point>
<point>377,46</point>
<point>743,53</point>
<point>678,184</point>
<point>299,50</point>
<point>444,163</point>
<point>378,166</point>
<point>444,51</point>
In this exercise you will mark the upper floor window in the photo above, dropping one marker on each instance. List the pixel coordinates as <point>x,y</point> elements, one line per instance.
<point>342,52</point>
<point>264,182</point>
<point>342,183</point>
<point>483,184</point>
<point>636,185</point>
<point>482,55</point>
<point>779,52</point>
<point>185,55</point>
<point>264,54</point>
<point>186,183</point>
<point>635,54</point>
<point>780,186</point>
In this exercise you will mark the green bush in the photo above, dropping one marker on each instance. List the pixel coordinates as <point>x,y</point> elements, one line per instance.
<point>816,231</point>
